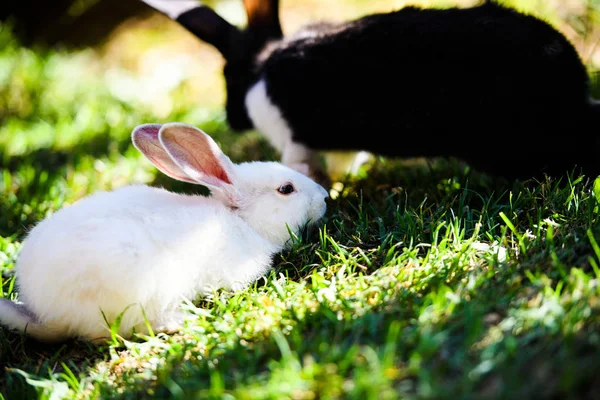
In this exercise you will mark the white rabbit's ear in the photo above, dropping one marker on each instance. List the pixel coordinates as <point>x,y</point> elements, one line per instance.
<point>145,139</point>
<point>199,157</point>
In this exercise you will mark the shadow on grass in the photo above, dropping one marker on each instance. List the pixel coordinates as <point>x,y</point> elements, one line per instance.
<point>387,352</point>
<point>40,360</point>
<point>52,160</point>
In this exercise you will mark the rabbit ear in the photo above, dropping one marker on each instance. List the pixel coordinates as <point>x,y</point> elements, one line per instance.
<point>202,22</point>
<point>263,17</point>
<point>199,157</point>
<point>145,139</point>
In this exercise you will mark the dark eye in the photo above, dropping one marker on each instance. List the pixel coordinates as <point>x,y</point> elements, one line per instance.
<point>286,188</point>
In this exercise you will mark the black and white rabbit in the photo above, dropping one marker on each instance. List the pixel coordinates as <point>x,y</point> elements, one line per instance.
<point>149,248</point>
<point>504,91</point>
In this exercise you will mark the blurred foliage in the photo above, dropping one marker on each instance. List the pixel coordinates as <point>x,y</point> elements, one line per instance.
<point>69,22</point>
<point>84,23</point>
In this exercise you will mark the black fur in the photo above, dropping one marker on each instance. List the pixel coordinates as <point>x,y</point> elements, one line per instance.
<point>239,49</point>
<point>503,91</point>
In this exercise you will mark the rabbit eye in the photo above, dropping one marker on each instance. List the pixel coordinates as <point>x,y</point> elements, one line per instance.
<point>286,188</point>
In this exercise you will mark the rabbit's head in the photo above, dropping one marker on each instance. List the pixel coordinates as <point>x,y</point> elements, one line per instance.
<point>269,196</point>
<point>239,47</point>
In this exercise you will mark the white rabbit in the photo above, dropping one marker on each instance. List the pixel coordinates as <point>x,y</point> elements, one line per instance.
<point>150,249</point>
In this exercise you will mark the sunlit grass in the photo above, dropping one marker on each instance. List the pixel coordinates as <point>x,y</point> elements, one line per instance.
<point>426,280</point>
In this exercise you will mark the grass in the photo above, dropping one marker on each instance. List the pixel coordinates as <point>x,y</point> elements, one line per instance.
<point>425,280</point>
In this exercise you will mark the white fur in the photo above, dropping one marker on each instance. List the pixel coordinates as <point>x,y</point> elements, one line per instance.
<point>173,8</point>
<point>267,117</point>
<point>148,248</point>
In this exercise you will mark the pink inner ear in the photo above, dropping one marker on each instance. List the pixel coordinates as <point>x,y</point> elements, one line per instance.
<point>146,132</point>
<point>198,155</point>
<point>145,139</point>
<point>200,151</point>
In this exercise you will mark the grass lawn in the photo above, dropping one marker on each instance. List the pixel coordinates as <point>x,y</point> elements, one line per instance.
<point>423,281</point>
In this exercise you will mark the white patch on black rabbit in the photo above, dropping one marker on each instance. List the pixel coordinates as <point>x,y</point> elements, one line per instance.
<point>267,117</point>
<point>173,8</point>
<point>147,248</point>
